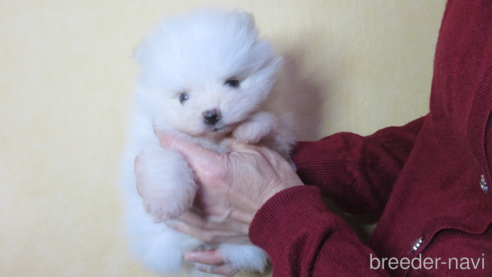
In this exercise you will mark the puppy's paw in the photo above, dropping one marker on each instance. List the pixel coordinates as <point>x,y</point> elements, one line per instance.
<point>253,130</point>
<point>244,257</point>
<point>163,206</point>
<point>249,132</point>
<point>165,182</point>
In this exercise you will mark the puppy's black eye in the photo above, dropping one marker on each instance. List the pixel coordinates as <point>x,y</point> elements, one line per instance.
<point>183,97</point>
<point>232,83</point>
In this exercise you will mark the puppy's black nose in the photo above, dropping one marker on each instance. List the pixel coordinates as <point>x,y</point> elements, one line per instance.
<point>211,117</point>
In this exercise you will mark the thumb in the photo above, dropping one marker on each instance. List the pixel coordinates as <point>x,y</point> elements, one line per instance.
<point>194,154</point>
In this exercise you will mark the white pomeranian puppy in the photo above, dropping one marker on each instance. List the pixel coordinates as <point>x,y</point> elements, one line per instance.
<point>204,76</point>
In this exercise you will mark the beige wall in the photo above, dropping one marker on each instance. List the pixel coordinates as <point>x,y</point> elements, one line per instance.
<point>66,78</point>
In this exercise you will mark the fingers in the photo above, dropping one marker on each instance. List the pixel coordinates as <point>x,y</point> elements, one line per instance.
<point>194,231</point>
<point>199,227</point>
<point>210,257</point>
<point>224,270</point>
<point>212,236</point>
<point>269,154</point>
<point>242,147</point>
<point>195,154</point>
<point>210,261</point>
<point>194,219</point>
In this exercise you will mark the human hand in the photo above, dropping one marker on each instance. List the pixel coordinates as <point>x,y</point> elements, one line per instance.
<point>232,188</point>
<point>211,261</point>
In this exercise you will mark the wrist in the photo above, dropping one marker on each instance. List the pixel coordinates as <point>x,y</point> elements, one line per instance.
<point>286,214</point>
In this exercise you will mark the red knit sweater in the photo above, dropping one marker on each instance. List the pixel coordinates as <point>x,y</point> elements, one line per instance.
<point>427,179</point>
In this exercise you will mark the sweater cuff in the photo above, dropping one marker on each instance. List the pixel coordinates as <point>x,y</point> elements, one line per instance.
<point>323,163</point>
<point>285,215</point>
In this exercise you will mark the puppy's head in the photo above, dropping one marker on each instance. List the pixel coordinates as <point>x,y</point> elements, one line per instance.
<point>205,72</point>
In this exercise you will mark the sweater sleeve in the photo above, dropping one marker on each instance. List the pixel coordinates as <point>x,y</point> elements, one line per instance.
<point>357,172</point>
<point>303,238</point>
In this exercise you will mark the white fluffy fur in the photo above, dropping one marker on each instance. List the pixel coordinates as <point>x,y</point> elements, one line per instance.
<point>195,54</point>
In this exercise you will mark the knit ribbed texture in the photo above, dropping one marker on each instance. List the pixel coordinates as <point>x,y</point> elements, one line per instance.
<point>345,165</point>
<point>296,226</point>
<point>427,179</point>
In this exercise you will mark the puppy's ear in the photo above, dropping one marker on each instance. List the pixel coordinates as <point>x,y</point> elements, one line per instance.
<point>245,18</point>
<point>137,54</point>
<point>144,54</point>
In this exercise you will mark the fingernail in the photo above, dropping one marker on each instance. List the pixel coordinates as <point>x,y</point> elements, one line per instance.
<point>170,223</point>
<point>190,257</point>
